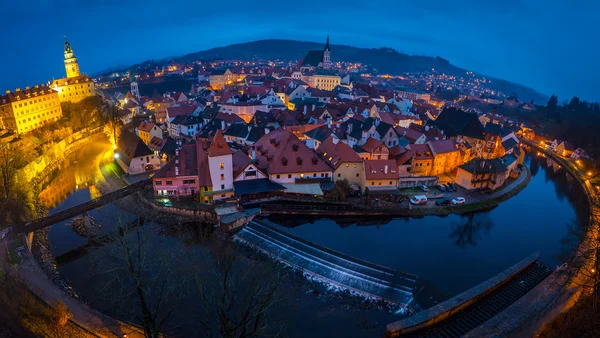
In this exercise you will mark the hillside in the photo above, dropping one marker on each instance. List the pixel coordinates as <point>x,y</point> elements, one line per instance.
<point>384,60</point>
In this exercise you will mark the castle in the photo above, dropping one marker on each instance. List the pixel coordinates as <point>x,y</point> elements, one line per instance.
<point>75,87</point>
<point>24,110</point>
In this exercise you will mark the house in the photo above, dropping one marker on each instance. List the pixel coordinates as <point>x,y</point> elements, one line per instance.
<point>579,153</point>
<point>380,177</point>
<point>185,125</point>
<point>564,149</point>
<point>413,136</point>
<point>343,159</point>
<point>293,93</point>
<point>422,159</point>
<point>147,131</point>
<point>134,156</point>
<point>251,183</point>
<point>446,156</point>
<point>373,150</point>
<point>220,165</point>
<point>125,116</point>
<point>485,174</point>
<point>288,160</point>
<point>179,177</point>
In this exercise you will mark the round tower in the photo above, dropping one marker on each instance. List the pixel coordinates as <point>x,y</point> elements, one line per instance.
<point>71,65</point>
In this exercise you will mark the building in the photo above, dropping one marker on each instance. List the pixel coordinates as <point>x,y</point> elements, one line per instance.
<point>244,110</point>
<point>422,159</point>
<point>185,125</point>
<point>134,156</point>
<point>485,174</point>
<point>380,176</point>
<point>413,94</point>
<point>219,78</point>
<point>220,165</point>
<point>179,177</point>
<point>343,159</point>
<point>288,160</point>
<point>25,110</point>
<point>317,59</point>
<point>446,156</point>
<point>75,87</point>
<point>148,130</point>
<point>321,79</point>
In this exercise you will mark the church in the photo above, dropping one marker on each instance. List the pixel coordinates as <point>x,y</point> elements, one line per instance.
<point>316,59</point>
<point>75,87</point>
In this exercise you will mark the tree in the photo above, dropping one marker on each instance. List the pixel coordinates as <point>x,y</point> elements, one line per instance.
<point>15,204</point>
<point>237,293</point>
<point>141,278</point>
<point>112,128</point>
<point>341,190</point>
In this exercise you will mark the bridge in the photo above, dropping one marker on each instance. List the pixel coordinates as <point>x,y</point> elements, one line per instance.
<point>467,311</point>
<point>81,208</point>
<point>331,266</point>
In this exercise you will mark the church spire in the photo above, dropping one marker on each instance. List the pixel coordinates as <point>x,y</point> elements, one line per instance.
<point>327,43</point>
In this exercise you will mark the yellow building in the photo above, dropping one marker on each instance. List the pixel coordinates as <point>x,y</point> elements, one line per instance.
<point>25,110</point>
<point>75,87</point>
<point>321,80</point>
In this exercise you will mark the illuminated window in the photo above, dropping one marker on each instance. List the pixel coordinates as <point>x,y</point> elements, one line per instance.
<point>222,177</point>
<point>222,165</point>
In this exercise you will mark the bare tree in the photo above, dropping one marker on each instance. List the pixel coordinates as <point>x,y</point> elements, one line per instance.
<point>237,293</point>
<point>142,276</point>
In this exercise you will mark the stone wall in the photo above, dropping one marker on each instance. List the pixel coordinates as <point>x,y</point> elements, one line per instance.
<point>46,163</point>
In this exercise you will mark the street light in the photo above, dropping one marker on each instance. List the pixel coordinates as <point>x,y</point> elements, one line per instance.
<point>116,156</point>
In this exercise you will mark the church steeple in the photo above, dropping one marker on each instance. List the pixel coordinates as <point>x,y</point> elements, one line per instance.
<point>327,43</point>
<point>71,64</point>
<point>326,64</point>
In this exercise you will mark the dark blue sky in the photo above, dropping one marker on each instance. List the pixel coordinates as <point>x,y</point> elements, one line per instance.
<point>549,45</point>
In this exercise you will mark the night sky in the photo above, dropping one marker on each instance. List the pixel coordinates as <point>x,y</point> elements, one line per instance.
<point>552,46</point>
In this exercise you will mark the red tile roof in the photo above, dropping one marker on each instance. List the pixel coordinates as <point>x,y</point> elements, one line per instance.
<point>442,146</point>
<point>337,153</point>
<point>409,134</point>
<point>381,170</point>
<point>218,146</point>
<point>146,126</point>
<point>372,144</point>
<point>422,151</point>
<point>188,164</point>
<point>204,178</point>
<point>184,109</point>
<point>280,151</point>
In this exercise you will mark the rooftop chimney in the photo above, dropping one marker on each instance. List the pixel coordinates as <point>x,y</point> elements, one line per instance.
<point>222,124</point>
<point>385,169</point>
<point>267,130</point>
<point>253,153</point>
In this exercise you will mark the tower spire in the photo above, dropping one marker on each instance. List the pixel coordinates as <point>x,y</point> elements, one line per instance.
<point>71,64</point>
<point>327,43</point>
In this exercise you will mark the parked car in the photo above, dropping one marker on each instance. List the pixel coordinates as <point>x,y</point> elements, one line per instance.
<point>442,201</point>
<point>423,188</point>
<point>458,200</point>
<point>453,186</point>
<point>441,187</point>
<point>419,199</point>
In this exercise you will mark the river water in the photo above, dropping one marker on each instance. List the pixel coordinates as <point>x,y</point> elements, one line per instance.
<point>453,253</point>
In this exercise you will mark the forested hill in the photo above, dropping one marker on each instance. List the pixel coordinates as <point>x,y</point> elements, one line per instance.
<point>384,60</point>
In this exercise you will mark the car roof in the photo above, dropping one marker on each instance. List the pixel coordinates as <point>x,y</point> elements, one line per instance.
<point>420,196</point>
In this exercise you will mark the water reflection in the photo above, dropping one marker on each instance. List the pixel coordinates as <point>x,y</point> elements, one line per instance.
<point>468,232</point>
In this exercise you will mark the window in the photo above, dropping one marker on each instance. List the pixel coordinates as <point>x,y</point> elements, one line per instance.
<point>222,186</point>
<point>158,182</point>
<point>222,177</point>
<point>251,173</point>
<point>169,182</point>
<point>355,166</point>
<point>390,182</point>
<point>289,175</point>
<point>357,175</point>
<point>372,183</point>
<point>205,189</point>
<point>339,175</point>
<point>278,176</point>
<point>221,165</point>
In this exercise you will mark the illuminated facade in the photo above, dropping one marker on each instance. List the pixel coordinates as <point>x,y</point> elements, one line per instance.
<point>75,87</point>
<point>25,110</point>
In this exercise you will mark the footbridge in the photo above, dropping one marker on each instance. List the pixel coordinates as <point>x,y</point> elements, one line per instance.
<point>470,309</point>
<point>331,266</point>
<point>81,208</point>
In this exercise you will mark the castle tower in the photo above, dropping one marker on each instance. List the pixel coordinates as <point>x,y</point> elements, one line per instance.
<point>327,54</point>
<point>71,65</point>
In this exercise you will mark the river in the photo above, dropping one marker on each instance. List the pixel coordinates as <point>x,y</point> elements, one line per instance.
<point>453,253</point>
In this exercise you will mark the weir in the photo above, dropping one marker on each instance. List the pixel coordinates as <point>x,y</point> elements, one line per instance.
<point>366,278</point>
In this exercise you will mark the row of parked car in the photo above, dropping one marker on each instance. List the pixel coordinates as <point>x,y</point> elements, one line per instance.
<point>422,199</point>
<point>441,187</point>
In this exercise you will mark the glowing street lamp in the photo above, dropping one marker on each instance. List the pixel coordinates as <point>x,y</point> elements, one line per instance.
<point>116,156</point>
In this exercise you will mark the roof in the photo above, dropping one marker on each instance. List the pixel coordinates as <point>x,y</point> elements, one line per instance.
<point>409,134</point>
<point>305,189</point>
<point>458,122</point>
<point>71,80</point>
<point>204,178</point>
<point>372,145</point>
<point>157,143</point>
<point>240,130</point>
<point>26,93</point>
<point>421,151</point>
<point>509,143</point>
<point>281,151</point>
<point>313,58</point>
<point>493,128</point>
<point>381,170</point>
<point>218,146</point>
<point>146,126</point>
<point>188,164</point>
<point>184,109</point>
<point>256,186</point>
<point>481,166</point>
<point>405,157</point>
<point>337,153</point>
<point>131,146</point>
<point>228,117</point>
<point>442,146</point>
<point>186,120</point>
